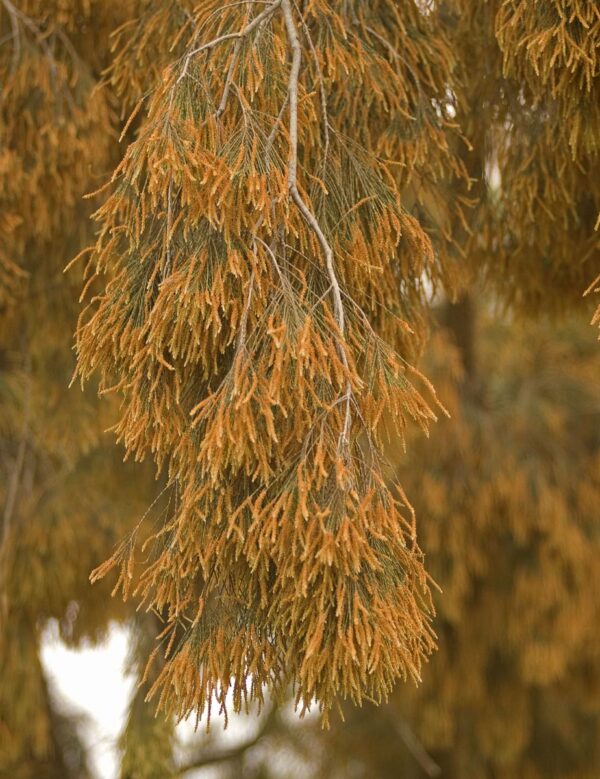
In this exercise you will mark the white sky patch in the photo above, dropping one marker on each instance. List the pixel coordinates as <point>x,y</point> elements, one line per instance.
<point>92,680</point>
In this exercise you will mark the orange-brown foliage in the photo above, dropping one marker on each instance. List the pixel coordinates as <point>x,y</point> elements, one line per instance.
<point>294,181</point>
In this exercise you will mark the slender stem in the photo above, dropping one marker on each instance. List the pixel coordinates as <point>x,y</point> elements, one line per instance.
<point>167,268</point>
<point>229,79</point>
<point>310,218</point>
<point>269,725</point>
<point>417,750</point>
<point>323,93</point>
<point>273,133</point>
<point>27,22</point>
<point>241,344</point>
<point>231,36</point>
<point>15,477</point>
<point>16,36</point>
<point>271,254</point>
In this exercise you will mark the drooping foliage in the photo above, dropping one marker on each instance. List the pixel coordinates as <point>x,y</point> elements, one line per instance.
<point>294,180</point>
<point>256,252</point>
<point>508,505</point>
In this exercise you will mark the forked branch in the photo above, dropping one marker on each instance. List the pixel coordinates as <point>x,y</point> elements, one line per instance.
<point>231,36</point>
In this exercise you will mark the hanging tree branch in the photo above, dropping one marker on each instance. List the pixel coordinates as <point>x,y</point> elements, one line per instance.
<point>249,371</point>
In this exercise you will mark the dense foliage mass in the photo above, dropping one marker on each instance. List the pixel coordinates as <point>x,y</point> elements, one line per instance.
<point>508,516</point>
<point>242,315</point>
<point>279,190</point>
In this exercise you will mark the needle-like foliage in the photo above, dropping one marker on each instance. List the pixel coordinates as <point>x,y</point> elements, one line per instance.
<point>508,507</point>
<point>294,179</point>
<point>250,251</point>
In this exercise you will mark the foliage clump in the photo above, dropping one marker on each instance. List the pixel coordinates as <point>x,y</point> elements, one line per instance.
<point>508,506</point>
<point>250,251</point>
<point>65,500</point>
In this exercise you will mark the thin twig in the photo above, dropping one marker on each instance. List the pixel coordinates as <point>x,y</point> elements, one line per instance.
<point>241,344</point>
<point>271,254</point>
<point>396,54</point>
<point>310,218</point>
<point>273,133</point>
<point>16,35</point>
<point>15,477</point>
<point>416,749</point>
<point>231,36</point>
<point>229,79</point>
<point>322,91</point>
<point>268,726</point>
<point>15,13</point>
<point>232,65</point>
<point>167,268</point>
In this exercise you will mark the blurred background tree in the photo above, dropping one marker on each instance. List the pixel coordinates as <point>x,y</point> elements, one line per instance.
<point>507,492</point>
<point>66,497</point>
